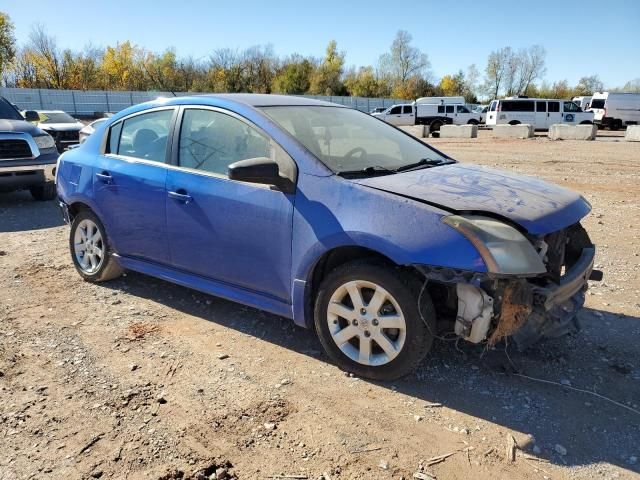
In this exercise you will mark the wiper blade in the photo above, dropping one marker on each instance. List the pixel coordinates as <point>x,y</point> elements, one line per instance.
<point>424,162</point>
<point>372,170</point>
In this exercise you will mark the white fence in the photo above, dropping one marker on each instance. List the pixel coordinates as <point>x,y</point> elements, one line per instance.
<point>92,102</point>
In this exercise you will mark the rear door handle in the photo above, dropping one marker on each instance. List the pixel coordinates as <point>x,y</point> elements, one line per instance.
<point>104,177</point>
<point>181,196</point>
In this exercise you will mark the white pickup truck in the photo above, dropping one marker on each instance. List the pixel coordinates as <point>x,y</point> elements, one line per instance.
<point>432,111</point>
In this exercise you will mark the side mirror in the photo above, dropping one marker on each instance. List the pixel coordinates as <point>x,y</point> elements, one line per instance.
<point>31,116</point>
<point>260,170</point>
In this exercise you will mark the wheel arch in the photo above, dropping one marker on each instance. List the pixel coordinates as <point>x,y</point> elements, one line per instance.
<point>303,301</point>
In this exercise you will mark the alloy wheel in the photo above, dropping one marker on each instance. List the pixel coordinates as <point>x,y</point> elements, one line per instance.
<point>88,246</point>
<point>366,323</point>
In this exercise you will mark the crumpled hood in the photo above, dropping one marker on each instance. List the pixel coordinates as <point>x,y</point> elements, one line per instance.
<point>537,206</point>
<point>20,126</point>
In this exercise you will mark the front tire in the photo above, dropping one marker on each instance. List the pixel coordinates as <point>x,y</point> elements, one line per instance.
<point>368,321</point>
<point>43,193</point>
<point>90,250</point>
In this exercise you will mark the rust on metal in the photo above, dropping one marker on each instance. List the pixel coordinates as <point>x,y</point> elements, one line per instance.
<point>516,308</point>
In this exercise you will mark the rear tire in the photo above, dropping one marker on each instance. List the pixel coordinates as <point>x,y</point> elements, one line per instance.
<point>90,251</point>
<point>45,192</point>
<point>435,126</point>
<point>368,322</point>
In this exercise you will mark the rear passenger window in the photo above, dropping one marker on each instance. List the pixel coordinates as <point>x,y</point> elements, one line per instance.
<point>211,141</point>
<point>541,106</point>
<point>145,136</point>
<point>449,108</point>
<point>554,106</point>
<point>407,109</point>
<point>518,106</point>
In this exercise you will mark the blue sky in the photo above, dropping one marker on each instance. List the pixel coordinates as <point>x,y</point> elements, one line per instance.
<point>582,37</point>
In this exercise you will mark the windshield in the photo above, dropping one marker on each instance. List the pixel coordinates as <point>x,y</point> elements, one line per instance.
<point>597,103</point>
<point>56,117</point>
<point>7,112</point>
<point>347,140</point>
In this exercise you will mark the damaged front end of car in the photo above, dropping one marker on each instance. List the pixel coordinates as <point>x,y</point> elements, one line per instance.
<point>533,288</point>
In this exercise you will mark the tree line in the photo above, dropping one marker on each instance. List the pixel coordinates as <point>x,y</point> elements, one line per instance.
<point>403,72</point>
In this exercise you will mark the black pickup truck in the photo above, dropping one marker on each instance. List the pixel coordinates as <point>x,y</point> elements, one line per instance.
<point>28,155</point>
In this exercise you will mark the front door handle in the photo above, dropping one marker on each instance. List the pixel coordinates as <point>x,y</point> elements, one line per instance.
<point>104,177</point>
<point>181,196</point>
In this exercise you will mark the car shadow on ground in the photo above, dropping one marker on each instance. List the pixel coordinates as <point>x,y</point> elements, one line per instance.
<point>20,212</point>
<point>486,384</point>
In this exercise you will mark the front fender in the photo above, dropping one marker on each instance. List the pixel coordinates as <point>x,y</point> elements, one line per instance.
<point>332,212</point>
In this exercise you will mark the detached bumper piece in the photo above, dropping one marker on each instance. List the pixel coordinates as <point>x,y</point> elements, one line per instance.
<point>555,306</point>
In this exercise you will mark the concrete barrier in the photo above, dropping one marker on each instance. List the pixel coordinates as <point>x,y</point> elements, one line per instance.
<point>522,130</point>
<point>633,133</point>
<point>562,131</point>
<point>459,131</point>
<point>419,131</point>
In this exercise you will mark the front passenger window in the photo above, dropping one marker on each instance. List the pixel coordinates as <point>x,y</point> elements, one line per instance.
<point>145,136</point>
<point>211,141</point>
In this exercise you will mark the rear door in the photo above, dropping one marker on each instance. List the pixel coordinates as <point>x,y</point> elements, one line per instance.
<point>129,184</point>
<point>408,117</point>
<point>234,232</point>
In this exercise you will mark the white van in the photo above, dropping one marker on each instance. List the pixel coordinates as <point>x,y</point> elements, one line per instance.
<point>539,112</point>
<point>582,102</point>
<point>615,110</point>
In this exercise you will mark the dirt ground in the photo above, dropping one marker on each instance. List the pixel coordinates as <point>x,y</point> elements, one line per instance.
<point>139,378</point>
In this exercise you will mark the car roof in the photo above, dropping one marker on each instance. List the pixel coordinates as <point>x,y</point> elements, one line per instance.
<point>266,100</point>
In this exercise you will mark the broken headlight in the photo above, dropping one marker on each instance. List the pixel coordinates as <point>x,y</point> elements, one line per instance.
<point>503,248</point>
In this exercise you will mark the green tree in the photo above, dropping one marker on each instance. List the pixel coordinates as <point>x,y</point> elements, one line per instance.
<point>327,78</point>
<point>362,83</point>
<point>7,43</point>
<point>294,77</point>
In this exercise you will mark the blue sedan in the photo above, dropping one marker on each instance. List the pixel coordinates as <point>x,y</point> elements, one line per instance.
<point>330,217</point>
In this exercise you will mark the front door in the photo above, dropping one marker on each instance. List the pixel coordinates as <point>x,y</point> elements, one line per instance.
<point>233,232</point>
<point>554,113</point>
<point>129,185</point>
<point>394,116</point>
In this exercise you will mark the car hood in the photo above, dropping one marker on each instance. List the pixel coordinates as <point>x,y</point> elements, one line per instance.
<point>20,126</point>
<point>537,206</point>
<point>62,127</point>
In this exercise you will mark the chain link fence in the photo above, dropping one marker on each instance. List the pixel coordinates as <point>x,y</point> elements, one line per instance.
<point>94,103</point>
